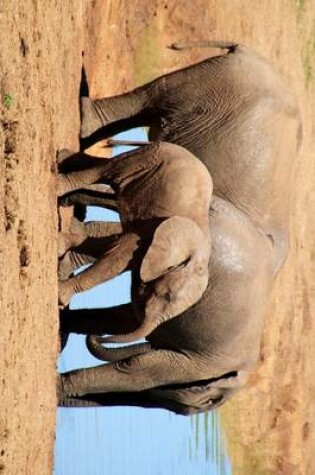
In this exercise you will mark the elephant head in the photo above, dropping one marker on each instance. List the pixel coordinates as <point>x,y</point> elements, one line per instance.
<point>199,396</point>
<point>173,275</point>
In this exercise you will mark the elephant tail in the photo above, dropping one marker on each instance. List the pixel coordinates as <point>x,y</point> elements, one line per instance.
<point>94,345</point>
<point>223,44</point>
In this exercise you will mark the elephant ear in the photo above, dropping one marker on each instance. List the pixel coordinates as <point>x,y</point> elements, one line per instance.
<point>174,241</point>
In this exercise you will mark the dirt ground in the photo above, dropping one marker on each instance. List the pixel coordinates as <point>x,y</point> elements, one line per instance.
<point>270,426</point>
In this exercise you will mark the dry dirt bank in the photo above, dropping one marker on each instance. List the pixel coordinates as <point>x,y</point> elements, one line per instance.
<point>40,61</point>
<point>270,426</point>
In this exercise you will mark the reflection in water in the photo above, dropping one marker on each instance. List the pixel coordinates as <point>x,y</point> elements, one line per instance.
<point>208,442</point>
<point>121,441</point>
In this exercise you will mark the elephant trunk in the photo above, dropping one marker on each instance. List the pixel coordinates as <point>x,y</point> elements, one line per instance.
<point>143,331</point>
<point>94,345</point>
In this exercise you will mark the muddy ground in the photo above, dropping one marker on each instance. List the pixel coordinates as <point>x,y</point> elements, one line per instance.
<point>270,426</point>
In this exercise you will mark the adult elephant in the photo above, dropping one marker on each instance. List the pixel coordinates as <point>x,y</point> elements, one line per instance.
<point>183,399</point>
<point>235,113</point>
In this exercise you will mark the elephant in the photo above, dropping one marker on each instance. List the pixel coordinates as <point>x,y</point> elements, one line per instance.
<point>185,400</point>
<point>236,114</point>
<point>165,239</point>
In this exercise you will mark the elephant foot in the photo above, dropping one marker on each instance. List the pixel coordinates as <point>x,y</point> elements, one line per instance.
<point>65,292</point>
<point>63,154</point>
<point>77,227</point>
<point>65,266</point>
<point>64,243</point>
<point>65,387</point>
<point>90,120</point>
<point>70,240</point>
<point>61,390</point>
<point>63,185</point>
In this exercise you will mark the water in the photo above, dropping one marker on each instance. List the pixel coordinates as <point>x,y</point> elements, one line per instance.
<point>121,441</point>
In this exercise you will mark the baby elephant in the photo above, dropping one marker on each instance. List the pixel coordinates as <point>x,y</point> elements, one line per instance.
<point>163,196</point>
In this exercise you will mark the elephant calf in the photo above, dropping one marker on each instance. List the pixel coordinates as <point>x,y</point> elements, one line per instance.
<point>165,237</point>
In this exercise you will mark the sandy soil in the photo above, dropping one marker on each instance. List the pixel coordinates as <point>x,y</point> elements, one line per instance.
<point>270,426</point>
<point>40,62</point>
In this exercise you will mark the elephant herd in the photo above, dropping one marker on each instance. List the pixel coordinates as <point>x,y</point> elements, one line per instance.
<point>204,209</point>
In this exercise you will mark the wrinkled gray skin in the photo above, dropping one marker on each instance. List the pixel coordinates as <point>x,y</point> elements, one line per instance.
<point>189,399</point>
<point>235,113</point>
<point>165,239</point>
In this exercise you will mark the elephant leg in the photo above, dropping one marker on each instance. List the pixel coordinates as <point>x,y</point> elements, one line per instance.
<point>115,260</point>
<point>98,321</point>
<point>115,172</point>
<point>122,112</point>
<point>70,262</point>
<point>95,229</point>
<point>89,240</point>
<point>67,241</point>
<point>143,399</point>
<point>107,400</point>
<point>81,232</point>
<point>69,162</point>
<point>102,229</point>
<point>78,178</point>
<point>138,373</point>
<point>136,399</point>
<point>86,197</point>
<point>94,171</point>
